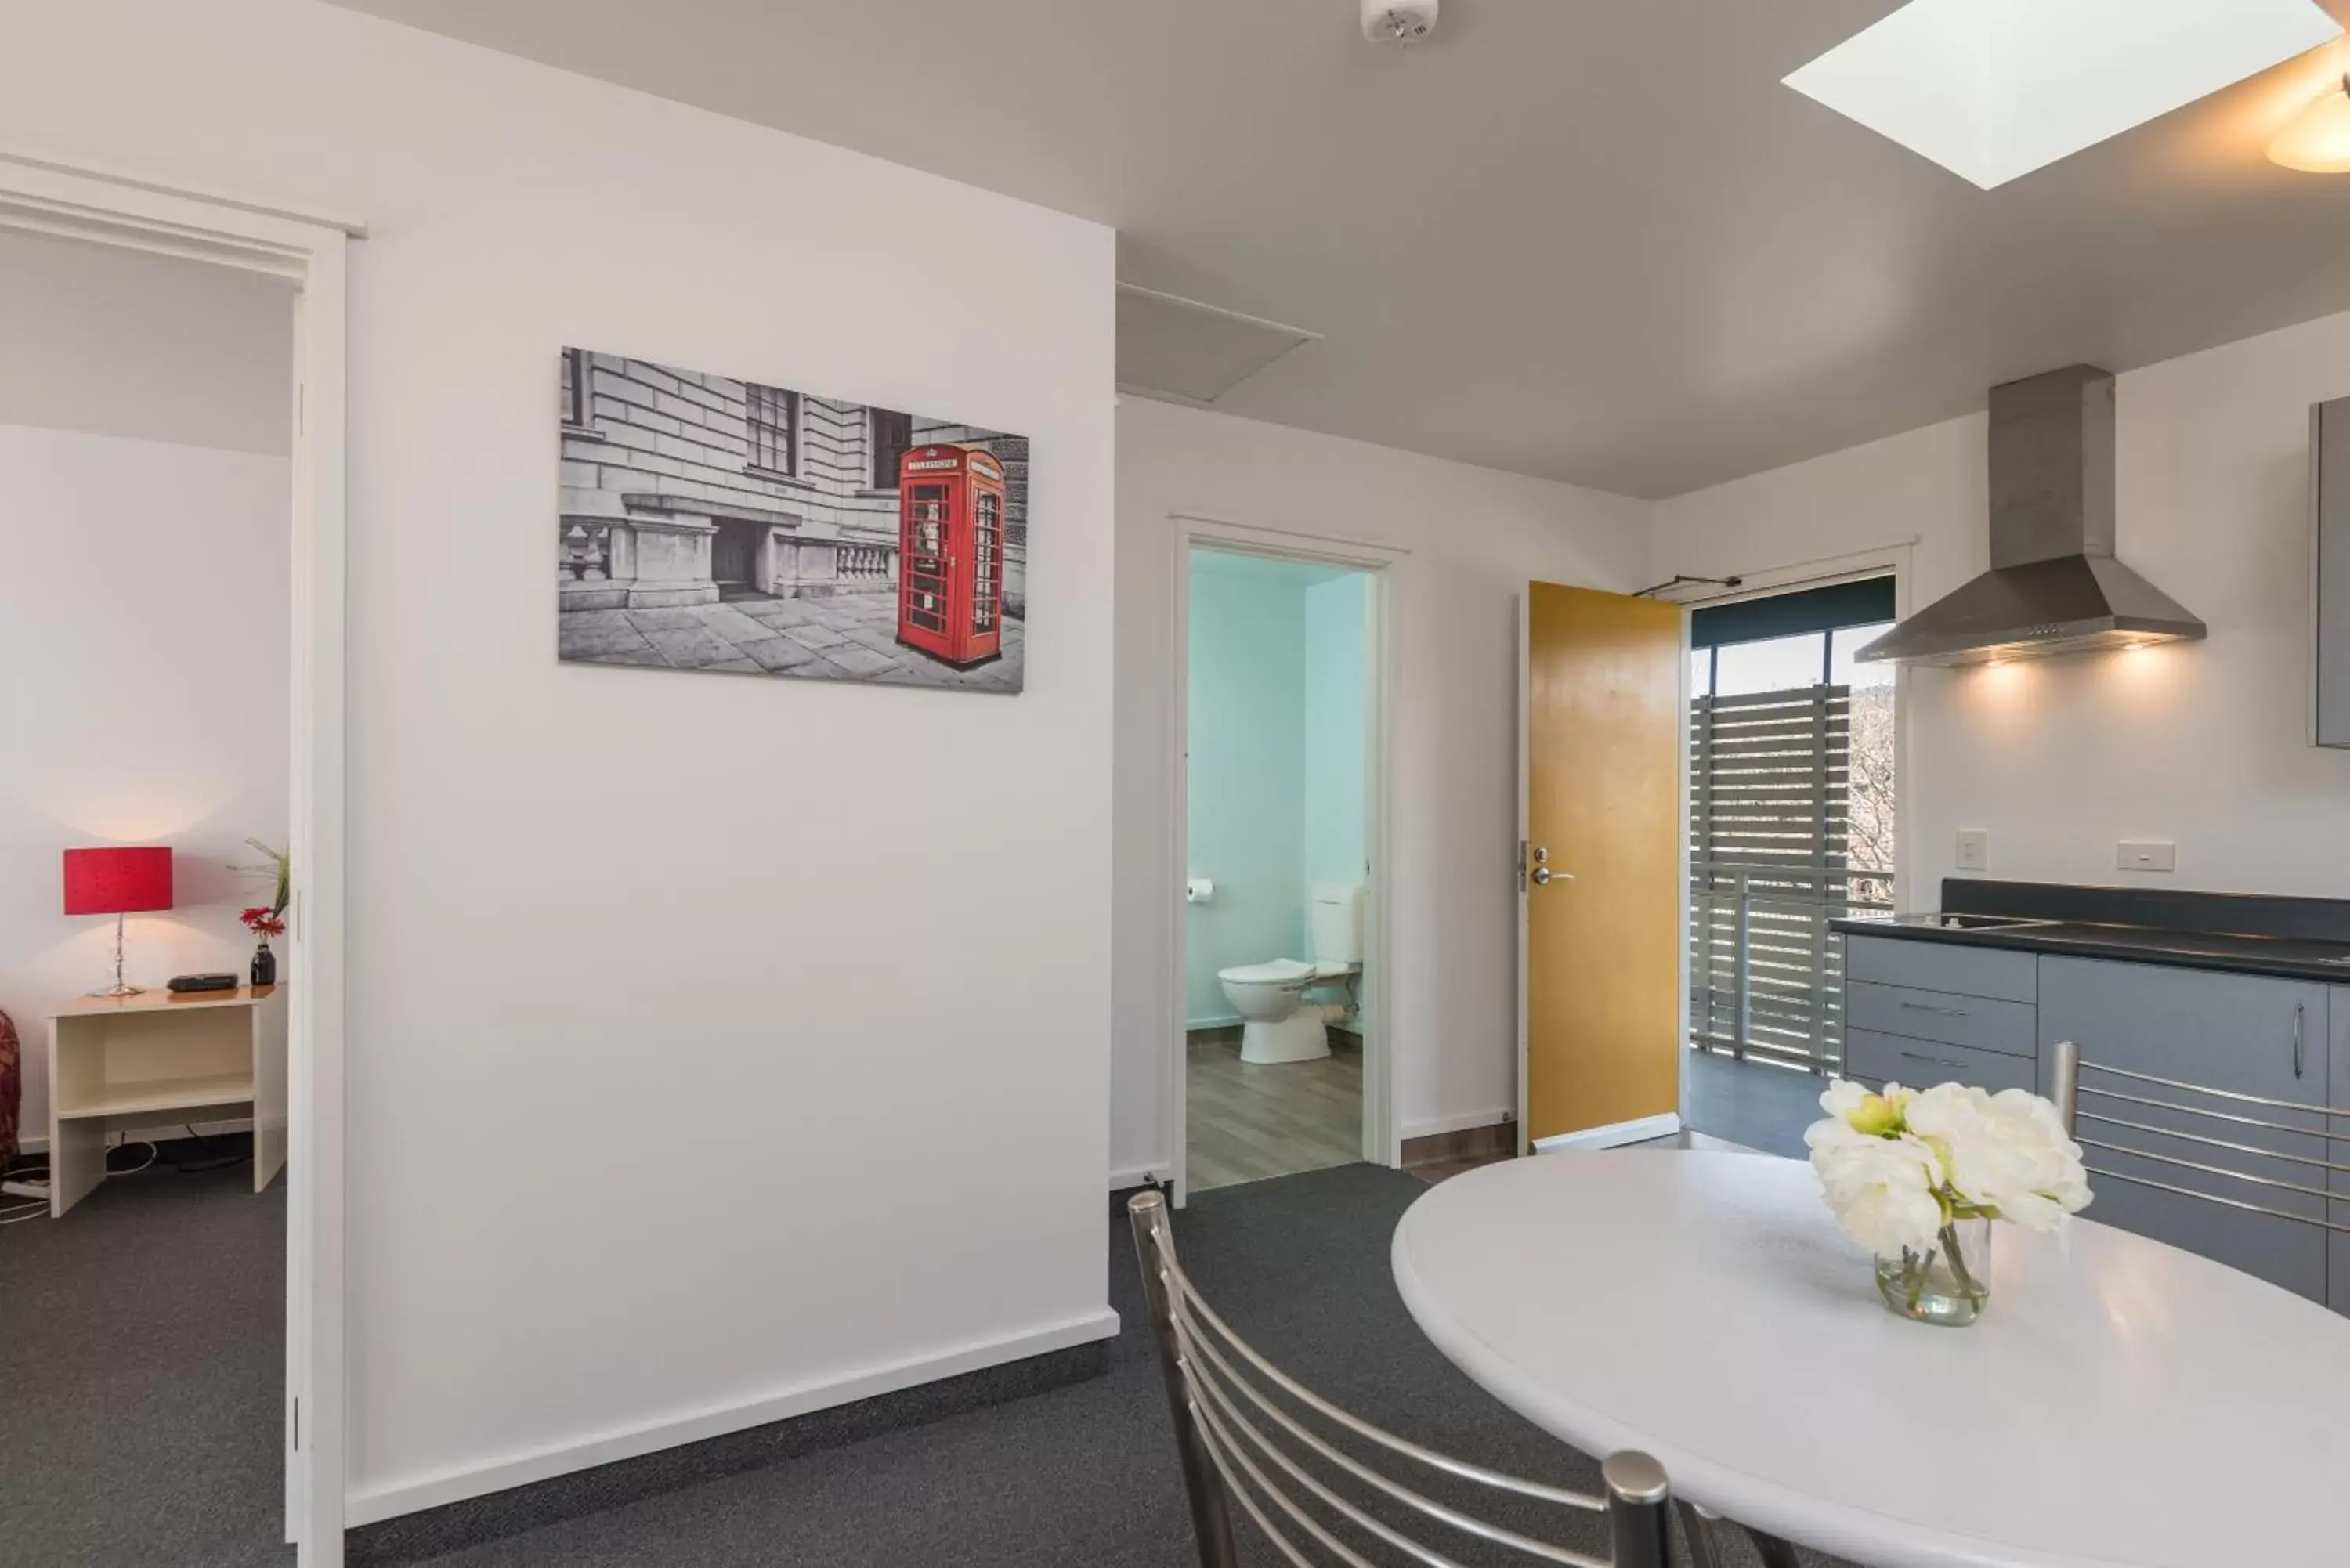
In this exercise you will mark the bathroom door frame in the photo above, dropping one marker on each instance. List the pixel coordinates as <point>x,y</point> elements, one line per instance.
<point>1381,1144</point>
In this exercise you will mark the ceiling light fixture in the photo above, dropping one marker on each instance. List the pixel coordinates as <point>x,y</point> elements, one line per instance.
<point>1399,21</point>
<point>2317,139</point>
<point>1992,89</point>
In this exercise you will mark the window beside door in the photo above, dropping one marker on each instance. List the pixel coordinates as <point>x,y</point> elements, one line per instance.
<point>1791,811</point>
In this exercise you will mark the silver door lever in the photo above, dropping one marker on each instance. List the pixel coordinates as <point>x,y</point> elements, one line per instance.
<point>1545,876</point>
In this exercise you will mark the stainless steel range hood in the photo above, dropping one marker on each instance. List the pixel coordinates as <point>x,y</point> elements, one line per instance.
<point>2053,584</point>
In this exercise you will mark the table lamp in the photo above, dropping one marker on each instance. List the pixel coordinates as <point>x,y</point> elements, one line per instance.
<point>118,882</point>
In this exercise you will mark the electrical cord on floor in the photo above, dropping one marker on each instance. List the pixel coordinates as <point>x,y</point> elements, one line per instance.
<point>33,1209</point>
<point>205,1161</point>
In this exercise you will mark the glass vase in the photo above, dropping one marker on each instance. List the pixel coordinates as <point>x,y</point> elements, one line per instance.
<point>1946,1284</point>
<point>264,965</point>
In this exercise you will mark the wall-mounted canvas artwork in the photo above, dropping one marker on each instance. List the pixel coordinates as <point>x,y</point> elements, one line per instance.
<point>708,523</point>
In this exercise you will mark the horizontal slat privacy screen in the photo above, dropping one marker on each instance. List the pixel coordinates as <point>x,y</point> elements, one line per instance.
<point>1862,603</point>
<point>1770,781</point>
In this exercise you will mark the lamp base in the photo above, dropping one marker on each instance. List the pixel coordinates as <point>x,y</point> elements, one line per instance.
<point>120,987</point>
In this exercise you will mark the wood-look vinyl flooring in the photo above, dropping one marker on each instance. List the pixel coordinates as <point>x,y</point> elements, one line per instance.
<point>1248,1121</point>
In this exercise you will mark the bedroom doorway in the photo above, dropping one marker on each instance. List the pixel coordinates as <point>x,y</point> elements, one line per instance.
<point>281,1436</point>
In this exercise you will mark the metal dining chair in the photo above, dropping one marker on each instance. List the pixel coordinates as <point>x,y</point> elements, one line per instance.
<point>1245,1433</point>
<point>2123,1099</point>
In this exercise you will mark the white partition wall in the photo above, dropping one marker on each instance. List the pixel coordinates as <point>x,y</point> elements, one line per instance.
<point>771,948</point>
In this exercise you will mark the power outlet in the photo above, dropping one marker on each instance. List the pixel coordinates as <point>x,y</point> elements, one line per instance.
<point>1974,849</point>
<point>2147,855</point>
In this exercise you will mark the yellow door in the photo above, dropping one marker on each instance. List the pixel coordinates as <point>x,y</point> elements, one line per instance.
<point>1602,867</point>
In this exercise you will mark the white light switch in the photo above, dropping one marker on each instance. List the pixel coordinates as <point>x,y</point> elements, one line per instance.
<point>1974,849</point>
<point>2147,855</point>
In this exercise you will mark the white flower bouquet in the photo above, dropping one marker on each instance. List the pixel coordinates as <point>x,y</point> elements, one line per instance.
<point>1917,1177</point>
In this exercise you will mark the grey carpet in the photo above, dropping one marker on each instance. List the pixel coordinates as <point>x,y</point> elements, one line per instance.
<point>1079,1477</point>
<point>141,1359</point>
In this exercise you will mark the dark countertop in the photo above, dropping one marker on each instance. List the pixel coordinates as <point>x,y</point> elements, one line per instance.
<point>2288,957</point>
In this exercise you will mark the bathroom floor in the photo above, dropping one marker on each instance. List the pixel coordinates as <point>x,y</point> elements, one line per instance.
<point>1249,1121</point>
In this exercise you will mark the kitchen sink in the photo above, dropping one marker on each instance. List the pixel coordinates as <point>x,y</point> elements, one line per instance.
<point>1972,922</point>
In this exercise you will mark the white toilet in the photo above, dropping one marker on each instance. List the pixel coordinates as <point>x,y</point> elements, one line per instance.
<point>1278,1024</point>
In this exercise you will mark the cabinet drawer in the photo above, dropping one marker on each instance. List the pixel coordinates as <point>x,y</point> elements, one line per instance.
<point>1920,1064</point>
<point>1943,966</point>
<point>1984,1023</point>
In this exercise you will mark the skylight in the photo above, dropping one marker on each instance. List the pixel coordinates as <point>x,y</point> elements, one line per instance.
<point>1990,89</point>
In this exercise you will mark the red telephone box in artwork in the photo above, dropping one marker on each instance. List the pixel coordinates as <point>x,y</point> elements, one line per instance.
<point>951,553</point>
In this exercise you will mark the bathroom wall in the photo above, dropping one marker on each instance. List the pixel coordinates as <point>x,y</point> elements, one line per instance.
<point>1274,795</point>
<point>1247,770</point>
<point>1337,627</point>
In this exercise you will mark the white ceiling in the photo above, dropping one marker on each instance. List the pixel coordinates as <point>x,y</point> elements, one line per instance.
<point>1595,240</point>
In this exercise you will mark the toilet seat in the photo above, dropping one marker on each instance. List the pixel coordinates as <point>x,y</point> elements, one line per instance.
<point>1278,972</point>
<point>1281,970</point>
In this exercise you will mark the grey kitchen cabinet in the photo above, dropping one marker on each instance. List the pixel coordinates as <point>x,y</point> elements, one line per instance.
<point>1878,1059</point>
<point>1946,967</point>
<point>2329,574</point>
<point>1981,1022</point>
<point>2242,1035</point>
<point>2337,1266</point>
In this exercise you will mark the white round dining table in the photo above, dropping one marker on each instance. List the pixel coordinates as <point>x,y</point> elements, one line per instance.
<point>2120,1404</point>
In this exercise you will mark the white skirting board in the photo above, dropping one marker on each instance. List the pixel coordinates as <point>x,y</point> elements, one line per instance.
<point>1139,1176</point>
<point>1460,1121</point>
<point>389,1499</point>
<point>1610,1137</point>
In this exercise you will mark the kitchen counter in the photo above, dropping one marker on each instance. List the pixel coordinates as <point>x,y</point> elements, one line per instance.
<point>2285,957</point>
<point>2292,938</point>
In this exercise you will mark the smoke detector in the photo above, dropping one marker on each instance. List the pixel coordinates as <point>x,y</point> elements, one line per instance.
<point>1399,21</point>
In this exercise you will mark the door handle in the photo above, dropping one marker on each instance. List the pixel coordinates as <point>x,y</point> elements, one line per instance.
<point>2300,1038</point>
<point>1545,876</point>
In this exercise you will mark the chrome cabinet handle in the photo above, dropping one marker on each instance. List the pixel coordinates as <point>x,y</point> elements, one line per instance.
<point>1934,1061</point>
<point>2300,1038</point>
<point>1944,1011</point>
<point>1545,876</point>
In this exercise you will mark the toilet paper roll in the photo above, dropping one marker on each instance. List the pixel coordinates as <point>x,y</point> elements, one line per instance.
<point>1198,890</point>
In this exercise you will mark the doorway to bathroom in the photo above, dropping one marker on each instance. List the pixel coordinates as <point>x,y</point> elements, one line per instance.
<point>1281,712</point>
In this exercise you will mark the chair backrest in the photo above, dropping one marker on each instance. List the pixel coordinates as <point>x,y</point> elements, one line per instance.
<point>2121,1099</point>
<point>1248,1433</point>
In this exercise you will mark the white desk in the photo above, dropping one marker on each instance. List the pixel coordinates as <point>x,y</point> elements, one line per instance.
<point>2121,1405</point>
<point>120,1063</point>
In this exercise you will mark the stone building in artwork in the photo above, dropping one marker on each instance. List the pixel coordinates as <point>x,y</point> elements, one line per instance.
<point>680,488</point>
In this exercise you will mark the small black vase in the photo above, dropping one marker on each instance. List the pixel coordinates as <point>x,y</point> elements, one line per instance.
<point>264,965</point>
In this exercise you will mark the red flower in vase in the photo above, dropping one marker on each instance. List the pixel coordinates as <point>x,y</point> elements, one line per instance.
<point>262,921</point>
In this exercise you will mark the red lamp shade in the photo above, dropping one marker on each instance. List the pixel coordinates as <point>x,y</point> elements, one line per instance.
<point>118,881</point>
